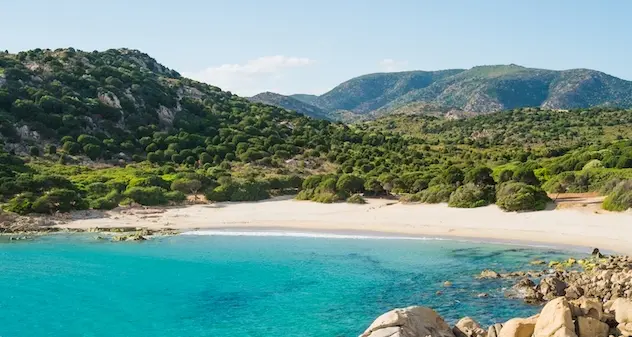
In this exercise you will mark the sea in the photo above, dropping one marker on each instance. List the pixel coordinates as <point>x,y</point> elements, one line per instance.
<point>249,283</point>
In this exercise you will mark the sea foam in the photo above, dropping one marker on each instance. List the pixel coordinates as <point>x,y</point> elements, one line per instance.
<point>307,235</point>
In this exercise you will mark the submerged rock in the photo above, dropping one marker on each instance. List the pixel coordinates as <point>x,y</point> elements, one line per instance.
<point>488,274</point>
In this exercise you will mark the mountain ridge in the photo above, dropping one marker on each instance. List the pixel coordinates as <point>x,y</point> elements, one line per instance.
<point>478,90</point>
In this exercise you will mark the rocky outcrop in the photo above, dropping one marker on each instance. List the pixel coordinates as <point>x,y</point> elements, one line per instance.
<point>467,327</point>
<point>556,320</point>
<point>518,327</point>
<point>409,322</point>
<point>596,277</point>
<point>584,317</point>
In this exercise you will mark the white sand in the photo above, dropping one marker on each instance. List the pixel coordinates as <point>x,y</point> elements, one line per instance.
<point>575,227</point>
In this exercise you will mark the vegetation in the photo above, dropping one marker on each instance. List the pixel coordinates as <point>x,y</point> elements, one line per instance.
<point>103,129</point>
<point>517,196</point>
<point>620,198</point>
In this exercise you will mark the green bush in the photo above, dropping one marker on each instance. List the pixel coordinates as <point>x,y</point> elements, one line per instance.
<point>350,183</point>
<point>620,198</point>
<point>517,196</point>
<point>110,201</point>
<point>326,197</point>
<point>471,195</point>
<point>410,198</point>
<point>21,203</point>
<point>175,196</point>
<point>147,196</point>
<point>59,200</point>
<point>437,194</point>
<point>356,199</point>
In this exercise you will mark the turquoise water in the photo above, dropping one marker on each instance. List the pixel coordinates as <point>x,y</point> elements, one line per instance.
<point>192,285</point>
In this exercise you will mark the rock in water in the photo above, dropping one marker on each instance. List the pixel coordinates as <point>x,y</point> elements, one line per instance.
<point>409,322</point>
<point>555,320</point>
<point>518,327</point>
<point>597,253</point>
<point>467,327</point>
<point>591,327</point>
<point>488,273</point>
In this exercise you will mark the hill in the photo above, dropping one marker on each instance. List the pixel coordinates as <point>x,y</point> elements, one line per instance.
<point>102,129</point>
<point>478,90</point>
<point>290,103</point>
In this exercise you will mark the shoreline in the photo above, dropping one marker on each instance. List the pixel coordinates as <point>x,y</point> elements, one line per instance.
<point>378,235</point>
<point>580,228</point>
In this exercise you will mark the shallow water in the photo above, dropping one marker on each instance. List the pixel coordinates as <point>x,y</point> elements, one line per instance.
<point>192,285</point>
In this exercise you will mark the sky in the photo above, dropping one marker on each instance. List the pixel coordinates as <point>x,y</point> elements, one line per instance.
<point>310,46</point>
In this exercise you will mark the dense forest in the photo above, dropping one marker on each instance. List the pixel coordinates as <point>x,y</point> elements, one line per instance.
<point>102,129</point>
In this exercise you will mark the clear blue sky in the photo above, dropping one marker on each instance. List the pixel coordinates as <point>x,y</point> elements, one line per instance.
<point>296,46</point>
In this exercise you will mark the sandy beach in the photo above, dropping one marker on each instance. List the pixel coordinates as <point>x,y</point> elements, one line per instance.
<point>572,226</point>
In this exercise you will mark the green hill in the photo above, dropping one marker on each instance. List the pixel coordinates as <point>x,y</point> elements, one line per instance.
<point>101,129</point>
<point>479,90</point>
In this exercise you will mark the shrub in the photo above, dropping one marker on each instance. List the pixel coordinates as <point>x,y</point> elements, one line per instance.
<point>110,201</point>
<point>517,196</point>
<point>34,151</point>
<point>306,194</point>
<point>356,199</point>
<point>350,183</point>
<point>21,204</point>
<point>326,197</point>
<point>620,199</point>
<point>183,185</point>
<point>312,182</point>
<point>481,176</point>
<point>436,194</point>
<point>176,196</point>
<point>526,176</point>
<point>470,196</point>
<point>59,200</point>
<point>408,198</point>
<point>147,196</point>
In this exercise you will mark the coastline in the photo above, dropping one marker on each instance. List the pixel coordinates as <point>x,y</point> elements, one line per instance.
<point>570,227</point>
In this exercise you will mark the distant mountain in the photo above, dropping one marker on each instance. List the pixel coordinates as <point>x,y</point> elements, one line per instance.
<point>478,90</point>
<point>290,103</point>
<point>309,99</point>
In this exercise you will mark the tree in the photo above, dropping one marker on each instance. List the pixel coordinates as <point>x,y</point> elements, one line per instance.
<point>92,151</point>
<point>187,186</point>
<point>34,151</point>
<point>71,148</point>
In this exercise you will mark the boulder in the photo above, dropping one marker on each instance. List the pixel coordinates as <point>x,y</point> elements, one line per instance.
<point>494,330</point>
<point>624,329</point>
<point>591,327</point>
<point>552,287</point>
<point>555,320</point>
<point>518,327</point>
<point>574,292</point>
<point>589,307</point>
<point>488,273</point>
<point>467,327</point>
<point>622,309</point>
<point>409,322</point>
